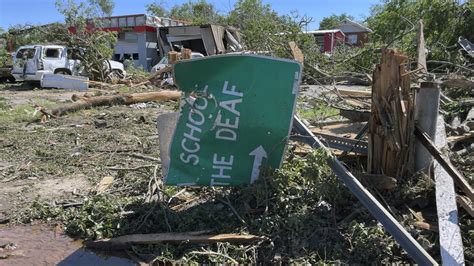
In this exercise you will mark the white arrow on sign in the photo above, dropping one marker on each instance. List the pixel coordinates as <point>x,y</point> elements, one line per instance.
<point>259,153</point>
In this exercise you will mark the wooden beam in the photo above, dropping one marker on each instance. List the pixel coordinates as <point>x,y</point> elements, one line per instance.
<point>355,93</point>
<point>458,178</point>
<point>465,204</point>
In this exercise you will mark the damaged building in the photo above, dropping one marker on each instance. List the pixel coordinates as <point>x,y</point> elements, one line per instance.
<point>204,39</point>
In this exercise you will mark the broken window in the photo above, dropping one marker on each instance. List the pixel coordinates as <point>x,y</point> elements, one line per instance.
<point>127,56</point>
<point>52,53</point>
<point>135,56</point>
<point>27,52</point>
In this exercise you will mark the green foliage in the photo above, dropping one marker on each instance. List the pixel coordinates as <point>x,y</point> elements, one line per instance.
<point>265,31</point>
<point>199,12</point>
<point>370,244</point>
<point>333,21</point>
<point>75,11</point>
<point>103,7</point>
<point>94,47</point>
<point>99,217</point>
<point>22,112</point>
<point>444,21</point>
<point>157,9</point>
<point>135,72</point>
<point>315,110</point>
<point>299,208</point>
<point>258,22</point>
<point>5,57</point>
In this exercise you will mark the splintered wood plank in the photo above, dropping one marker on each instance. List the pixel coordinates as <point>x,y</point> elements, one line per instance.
<point>297,54</point>
<point>391,122</point>
<point>421,48</point>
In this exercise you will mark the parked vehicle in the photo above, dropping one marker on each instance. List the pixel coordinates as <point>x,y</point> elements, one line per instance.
<point>164,61</point>
<point>33,61</point>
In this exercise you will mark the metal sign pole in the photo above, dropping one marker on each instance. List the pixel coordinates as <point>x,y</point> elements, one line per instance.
<point>370,202</point>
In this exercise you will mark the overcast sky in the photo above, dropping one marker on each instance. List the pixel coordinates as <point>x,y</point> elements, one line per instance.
<point>14,12</point>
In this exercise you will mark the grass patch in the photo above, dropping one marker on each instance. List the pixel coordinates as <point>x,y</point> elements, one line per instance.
<point>315,110</point>
<point>22,112</point>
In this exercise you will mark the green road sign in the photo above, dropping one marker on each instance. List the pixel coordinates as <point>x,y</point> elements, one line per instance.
<point>235,117</point>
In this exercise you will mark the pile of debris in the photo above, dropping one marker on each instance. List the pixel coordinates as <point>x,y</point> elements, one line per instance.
<point>384,142</point>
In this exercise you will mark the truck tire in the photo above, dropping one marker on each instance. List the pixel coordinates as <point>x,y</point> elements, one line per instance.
<point>62,72</point>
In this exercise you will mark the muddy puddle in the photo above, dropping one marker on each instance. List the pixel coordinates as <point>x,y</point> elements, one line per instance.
<point>44,245</point>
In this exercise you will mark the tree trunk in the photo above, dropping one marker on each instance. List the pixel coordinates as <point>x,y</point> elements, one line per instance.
<point>82,102</point>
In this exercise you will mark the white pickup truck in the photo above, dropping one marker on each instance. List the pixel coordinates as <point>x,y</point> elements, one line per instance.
<point>31,62</point>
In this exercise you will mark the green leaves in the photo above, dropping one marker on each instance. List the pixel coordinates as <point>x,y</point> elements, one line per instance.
<point>195,12</point>
<point>444,21</point>
<point>333,21</point>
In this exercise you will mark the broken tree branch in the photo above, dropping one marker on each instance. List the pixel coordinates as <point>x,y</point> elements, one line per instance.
<point>123,242</point>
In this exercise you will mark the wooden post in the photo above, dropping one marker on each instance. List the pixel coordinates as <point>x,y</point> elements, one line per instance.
<point>185,53</point>
<point>172,57</point>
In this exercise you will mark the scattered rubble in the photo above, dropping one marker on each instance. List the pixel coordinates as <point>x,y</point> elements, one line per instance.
<point>349,175</point>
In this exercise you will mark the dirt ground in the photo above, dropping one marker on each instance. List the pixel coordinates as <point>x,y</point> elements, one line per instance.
<point>67,156</point>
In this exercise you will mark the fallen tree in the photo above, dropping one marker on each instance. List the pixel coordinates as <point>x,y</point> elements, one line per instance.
<point>84,102</point>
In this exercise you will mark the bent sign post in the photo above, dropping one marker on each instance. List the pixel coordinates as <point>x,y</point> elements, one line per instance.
<point>235,118</point>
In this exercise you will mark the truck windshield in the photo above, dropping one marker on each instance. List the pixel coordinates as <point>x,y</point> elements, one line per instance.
<point>26,52</point>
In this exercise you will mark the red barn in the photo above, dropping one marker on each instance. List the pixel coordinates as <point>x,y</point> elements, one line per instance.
<point>328,39</point>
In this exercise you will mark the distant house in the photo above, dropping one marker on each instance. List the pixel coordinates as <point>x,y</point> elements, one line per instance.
<point>356,34</point>
<point>328,39</point>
